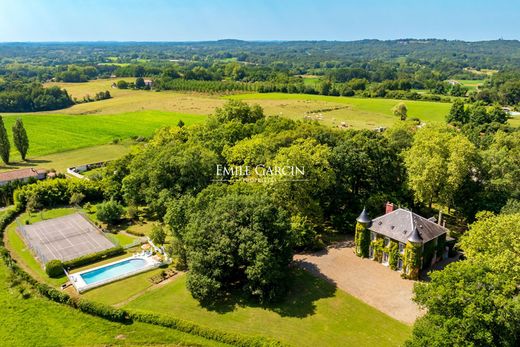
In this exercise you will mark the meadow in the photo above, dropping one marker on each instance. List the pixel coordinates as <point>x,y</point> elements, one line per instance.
<point>355,112</point>
<point>35,321</point>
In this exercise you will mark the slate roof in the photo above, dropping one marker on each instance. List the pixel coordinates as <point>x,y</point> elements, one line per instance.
<point>403,225</point>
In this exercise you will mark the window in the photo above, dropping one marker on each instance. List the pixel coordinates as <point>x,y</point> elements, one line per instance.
<point>401,247</point>
<point>399,264</point>
<point>387,242</point>
<point>370,252</point>
<point>385,258</point>
<point>372,235</point>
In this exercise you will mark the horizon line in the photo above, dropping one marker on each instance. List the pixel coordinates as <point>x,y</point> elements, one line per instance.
<point>257,41</point>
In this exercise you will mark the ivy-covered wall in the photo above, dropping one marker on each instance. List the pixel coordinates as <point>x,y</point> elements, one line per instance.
<point>362,240</point>
<point>412,261</point>
<point>393,254</point>
<point>377,248</point>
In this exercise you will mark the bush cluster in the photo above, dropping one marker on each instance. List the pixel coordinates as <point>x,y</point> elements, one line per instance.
<point>56,192</point>
<point>54,268</point>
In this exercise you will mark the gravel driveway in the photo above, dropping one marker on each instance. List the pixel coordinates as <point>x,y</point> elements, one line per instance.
<point>365,279</point>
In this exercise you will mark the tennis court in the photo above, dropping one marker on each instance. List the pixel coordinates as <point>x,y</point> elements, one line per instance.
<point>64,238</point>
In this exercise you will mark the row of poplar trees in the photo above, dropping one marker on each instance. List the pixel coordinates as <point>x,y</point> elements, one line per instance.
<point>20,139</point>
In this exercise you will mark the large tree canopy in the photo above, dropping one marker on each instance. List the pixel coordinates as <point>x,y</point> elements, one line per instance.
<point>438,163</point>
<point>475,302</point>
<point>238,241</point>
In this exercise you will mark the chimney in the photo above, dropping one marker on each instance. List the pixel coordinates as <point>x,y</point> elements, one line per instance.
<point>389,207</point>
<point>440,217</point>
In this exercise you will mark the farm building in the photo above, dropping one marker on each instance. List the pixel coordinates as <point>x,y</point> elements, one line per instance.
<point>22,175</point>
<point>148,83</point>
<point>401,240</point>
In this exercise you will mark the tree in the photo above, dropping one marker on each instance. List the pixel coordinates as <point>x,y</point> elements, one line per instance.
<point>437,164</point>
<point>239,110</point>
<point>158,235</point>
<point>109,212</point>
<point>122,84</point>
<point>5,146</point>
<point>20,139</point>
<point>474,302</point>
<point>457,113</point>
<point>468,305</point>
<point>400,110</point>
<point>241,242</point>
<point>139,83</point>
<point>495,237</point>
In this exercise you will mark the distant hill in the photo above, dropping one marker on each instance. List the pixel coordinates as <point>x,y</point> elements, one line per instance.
<point>496,54</point>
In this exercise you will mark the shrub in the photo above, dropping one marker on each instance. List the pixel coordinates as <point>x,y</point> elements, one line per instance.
<point>54,268</point>
<point>132,212</point>
<point>109,211</point>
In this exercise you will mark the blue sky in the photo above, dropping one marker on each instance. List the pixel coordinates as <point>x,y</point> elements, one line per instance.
<point>195,20</point>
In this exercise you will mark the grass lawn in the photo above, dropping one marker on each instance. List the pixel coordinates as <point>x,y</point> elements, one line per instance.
<point>356,112</point>
<point>121,238</point>
<point>60,132</point>
<point>314,314</point>
<point>119,291</point>
<point>39,322</point>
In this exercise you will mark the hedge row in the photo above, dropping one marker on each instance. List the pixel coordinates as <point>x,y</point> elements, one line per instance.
<point>92,258</point>
<point>194,329</point>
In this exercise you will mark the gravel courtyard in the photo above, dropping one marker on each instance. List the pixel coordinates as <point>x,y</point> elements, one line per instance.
<point>365,279</point>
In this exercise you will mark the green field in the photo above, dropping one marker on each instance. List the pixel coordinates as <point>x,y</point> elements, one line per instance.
<point>315,314</point>
<point>39,322</point>
<point>59,132</point>
<point>471,84</point>
<point>355,112</point>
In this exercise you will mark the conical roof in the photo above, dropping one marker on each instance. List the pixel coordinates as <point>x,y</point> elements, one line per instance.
<point>363,217</point>
<point>415,236</point>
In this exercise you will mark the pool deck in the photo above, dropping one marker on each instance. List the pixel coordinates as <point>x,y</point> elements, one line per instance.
<point>81,286</point>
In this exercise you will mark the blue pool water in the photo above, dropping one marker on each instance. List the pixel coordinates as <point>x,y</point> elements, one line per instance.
<point>113,270</point>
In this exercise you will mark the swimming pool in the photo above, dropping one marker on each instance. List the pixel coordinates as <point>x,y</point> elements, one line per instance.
<point>104,274</point>
<point>113,270</point>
